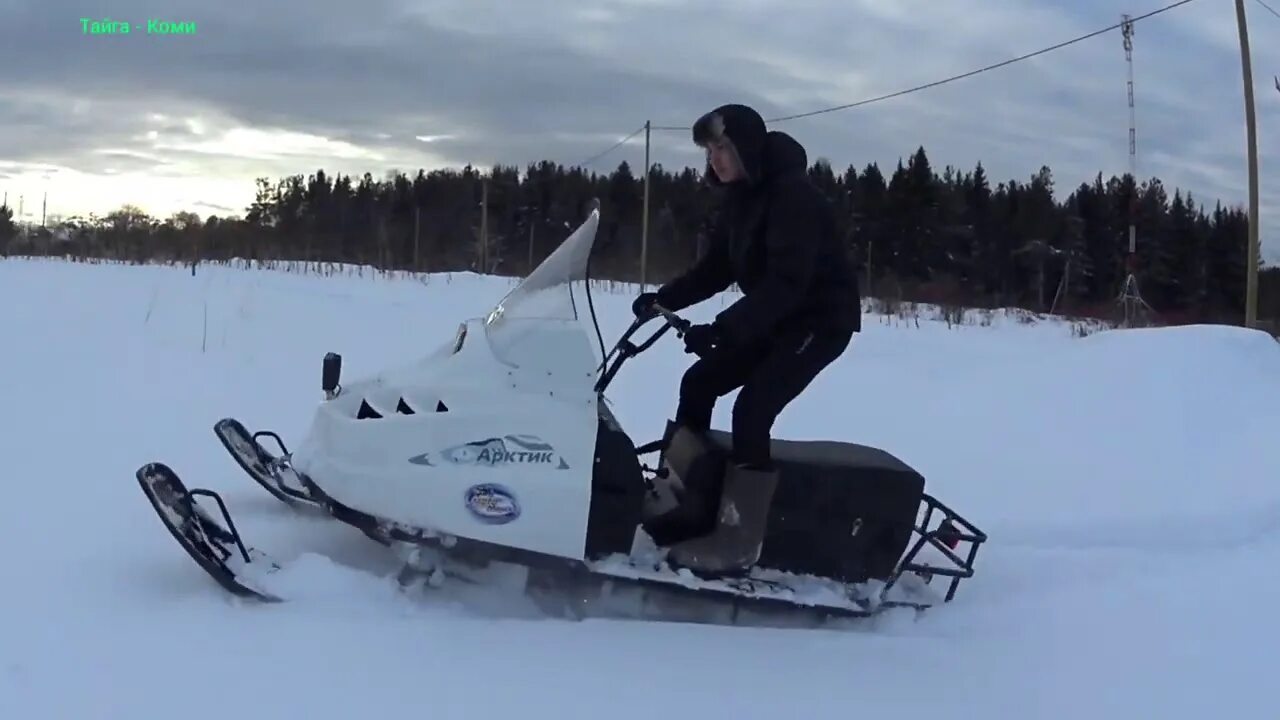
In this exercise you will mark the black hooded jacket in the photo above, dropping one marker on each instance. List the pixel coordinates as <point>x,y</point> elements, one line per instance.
<point>775,237</point>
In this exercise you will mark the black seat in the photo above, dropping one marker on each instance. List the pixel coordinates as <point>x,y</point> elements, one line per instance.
<point>822,454</point>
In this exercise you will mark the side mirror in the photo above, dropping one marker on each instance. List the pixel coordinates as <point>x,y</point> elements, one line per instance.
<point>330,374</point>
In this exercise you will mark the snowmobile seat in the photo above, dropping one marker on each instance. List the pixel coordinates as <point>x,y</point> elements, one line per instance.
<point>841,510</point>
<point>821,453</point>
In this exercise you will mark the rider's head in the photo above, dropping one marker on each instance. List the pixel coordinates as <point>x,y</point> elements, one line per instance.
<point>733,136</point>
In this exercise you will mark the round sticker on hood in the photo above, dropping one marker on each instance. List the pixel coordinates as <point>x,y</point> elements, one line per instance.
<point>492,503</point>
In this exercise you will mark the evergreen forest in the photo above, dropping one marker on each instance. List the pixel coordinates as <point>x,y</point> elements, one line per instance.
<point>916,233</point>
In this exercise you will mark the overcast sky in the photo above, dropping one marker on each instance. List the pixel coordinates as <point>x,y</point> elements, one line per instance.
<point>288,86</point>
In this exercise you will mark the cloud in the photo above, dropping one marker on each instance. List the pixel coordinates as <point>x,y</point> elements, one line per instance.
<point>270,89</point>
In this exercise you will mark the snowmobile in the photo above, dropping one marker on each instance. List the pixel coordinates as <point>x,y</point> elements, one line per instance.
<point>499,452</point>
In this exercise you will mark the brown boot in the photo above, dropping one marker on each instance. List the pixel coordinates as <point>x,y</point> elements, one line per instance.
<point>736,542</point>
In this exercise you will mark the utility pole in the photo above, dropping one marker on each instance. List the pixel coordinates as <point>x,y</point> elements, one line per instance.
<point>1130,300</point>
<point>417,227</point>
<point>1127,33</point>
<point>1251,136</point>
<point>644,219</point>
<point>484,226</point>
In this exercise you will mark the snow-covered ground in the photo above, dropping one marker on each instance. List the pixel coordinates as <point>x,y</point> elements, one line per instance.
<point>1128,482</point>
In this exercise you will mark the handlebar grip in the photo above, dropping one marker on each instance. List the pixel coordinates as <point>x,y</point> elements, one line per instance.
<point>679,323</point>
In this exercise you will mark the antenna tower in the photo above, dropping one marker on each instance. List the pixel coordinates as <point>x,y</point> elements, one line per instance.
<point>1131,302</point>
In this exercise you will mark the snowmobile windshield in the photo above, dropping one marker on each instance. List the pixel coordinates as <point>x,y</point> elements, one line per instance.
<point>537,326</point>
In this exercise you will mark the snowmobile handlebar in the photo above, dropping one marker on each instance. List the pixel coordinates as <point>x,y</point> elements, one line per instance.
<point>624,348</point>
<point>673,320</point>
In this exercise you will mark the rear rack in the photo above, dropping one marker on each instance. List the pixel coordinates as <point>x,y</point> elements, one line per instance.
<point>945,538</point>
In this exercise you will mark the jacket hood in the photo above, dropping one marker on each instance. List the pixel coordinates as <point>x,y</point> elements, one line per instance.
<point>783,155</point>
<point>764,153</point>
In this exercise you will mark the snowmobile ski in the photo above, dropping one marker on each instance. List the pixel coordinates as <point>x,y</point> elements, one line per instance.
<point>270,471</point>
<point>274,472</point>
<point>215,548</point>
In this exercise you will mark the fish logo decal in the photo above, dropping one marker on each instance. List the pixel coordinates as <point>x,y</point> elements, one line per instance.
<point>505,450</point>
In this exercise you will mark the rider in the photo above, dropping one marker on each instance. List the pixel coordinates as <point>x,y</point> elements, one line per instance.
<point>775,237</point>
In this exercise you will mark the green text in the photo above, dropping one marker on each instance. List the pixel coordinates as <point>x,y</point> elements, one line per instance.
<point>107,26</point>
<point>165,27</point>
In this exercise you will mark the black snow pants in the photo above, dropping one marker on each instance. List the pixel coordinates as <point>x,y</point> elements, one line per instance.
<point>771,375</point>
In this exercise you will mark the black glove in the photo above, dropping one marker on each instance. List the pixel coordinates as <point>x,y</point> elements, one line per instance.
<point>702,339</point>
<point>643,306</point>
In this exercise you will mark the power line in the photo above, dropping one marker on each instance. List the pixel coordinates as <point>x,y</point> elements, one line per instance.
<point>926,86</point>
<point>1277,14</point>
<point>971,73</point>
<point>613,147</point>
